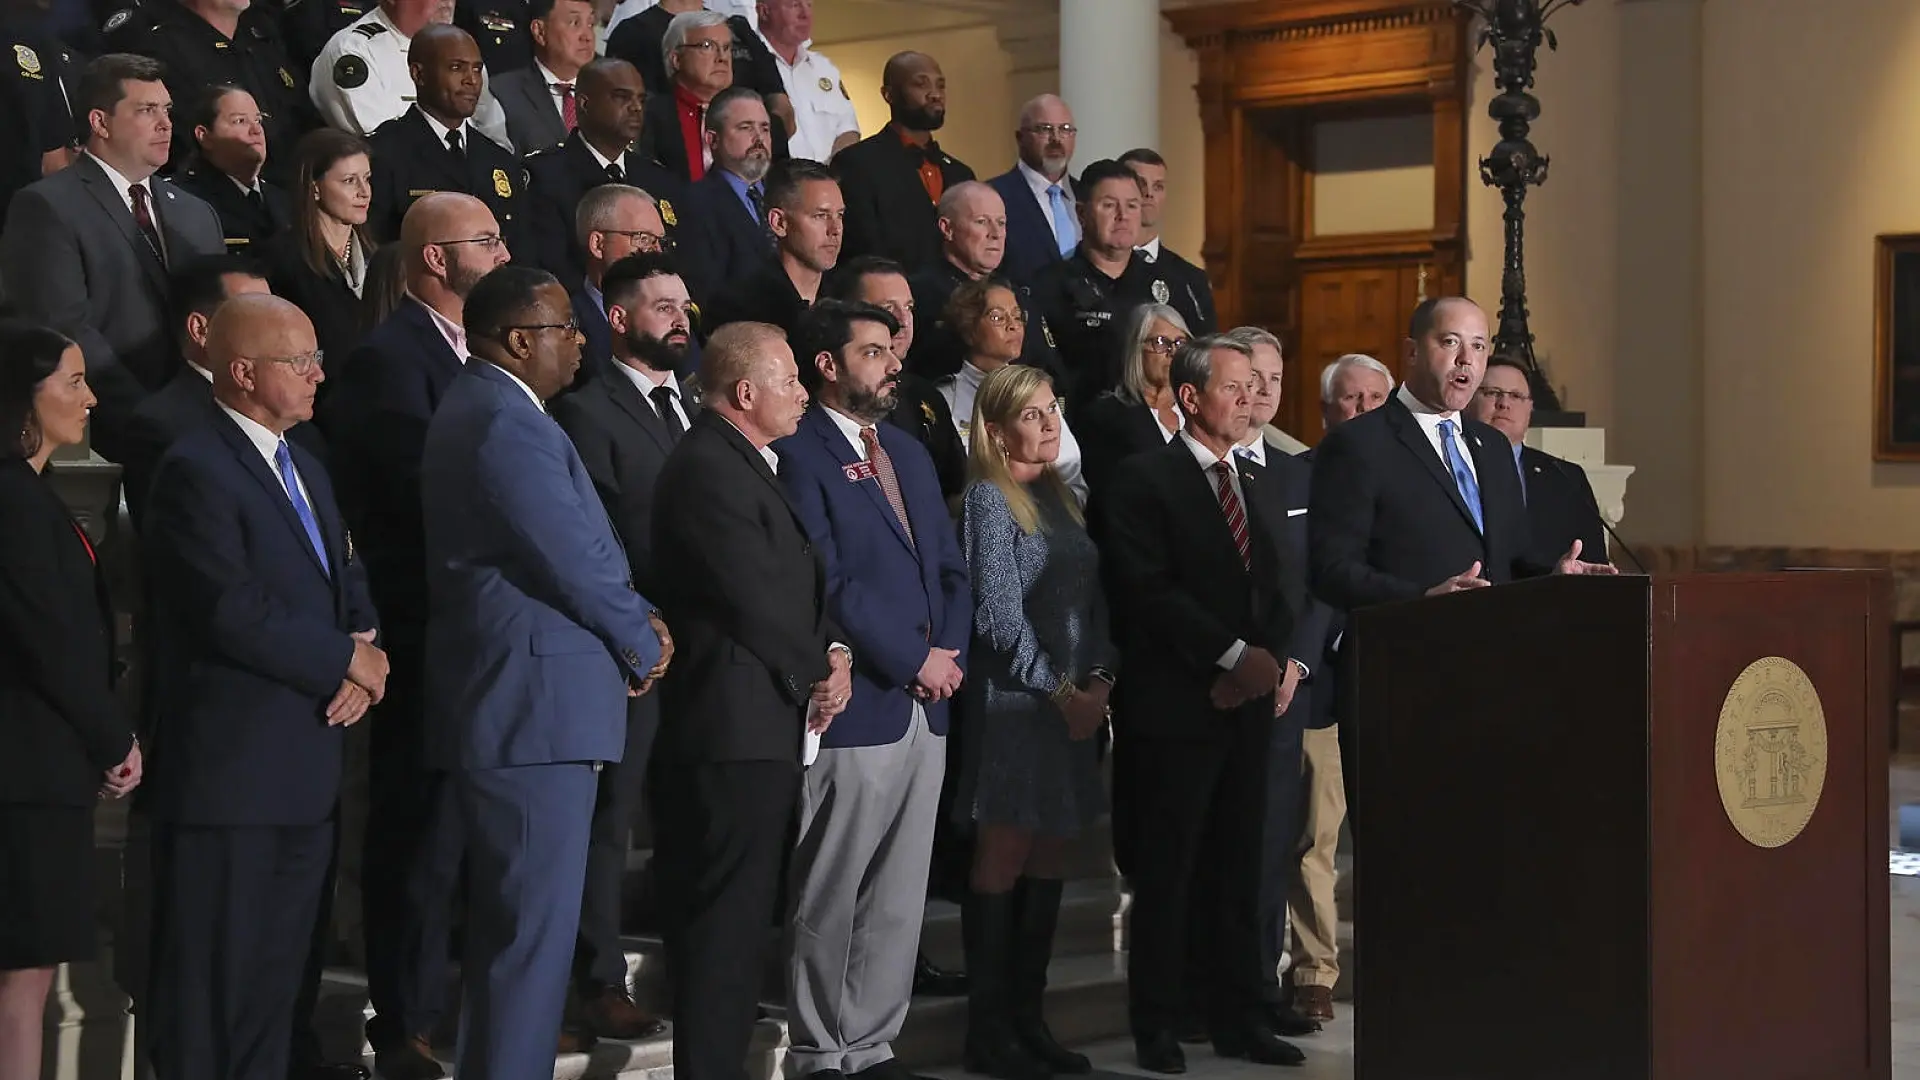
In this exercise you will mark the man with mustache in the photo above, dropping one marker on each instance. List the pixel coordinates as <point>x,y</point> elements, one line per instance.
<point>898,588</point>
<point>894,180</point>
<point>729,237</point>
<point>612,222</point>
<point>1043,224</point>
<point>624,422</point>
<point>434,145</point>
<point>806,216</point>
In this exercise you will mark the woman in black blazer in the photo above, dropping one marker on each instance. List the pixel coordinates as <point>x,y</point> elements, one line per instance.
<point>321,262</point>
<point>64,740</point>
<point>1140,414</point>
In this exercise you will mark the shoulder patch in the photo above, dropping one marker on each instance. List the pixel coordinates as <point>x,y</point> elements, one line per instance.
<point>349,72</point>
<point>117,20</point>
<point>667,216</point>
<point>369,30</point>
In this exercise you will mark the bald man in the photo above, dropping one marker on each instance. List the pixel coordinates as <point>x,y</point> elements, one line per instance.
<point>376,417</point>
<point>266,651</point>
<point>893,180</point>
<point>972,223</point>
<point>435,146</point>
<point>1042,209</point>
<point>756,666</point>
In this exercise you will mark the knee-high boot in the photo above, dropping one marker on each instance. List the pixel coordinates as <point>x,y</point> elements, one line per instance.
<point>1036,916</point>
<point>992,1046</point>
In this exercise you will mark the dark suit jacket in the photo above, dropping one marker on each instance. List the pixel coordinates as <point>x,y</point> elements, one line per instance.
<point>1111,431</point>
<point>596,356</point>
<point>923,413</point>
<point>500,28</point>
<point>1561,508</point>
<point>937,349</point>
<point>1181,595</point>
<point>409,161</point>
<point>1388,522</point>
<point>559,178</point>
<point>71,257</point>
<point>245,225</point>
<point>888,211</point>
<point>638,39</point>
<point>340,318</point>
<point>1292,480</point>
<point>724,244</point>
<point>897,596</point>
<point>533,112</point>
<point>624,443</point>
<point>746,603</point>
<point>661,139</point>
<point>1031,246</point>
<point>254,636</point>
<point>376,423</point>
<point>767,296</point>
<point>61,727</point>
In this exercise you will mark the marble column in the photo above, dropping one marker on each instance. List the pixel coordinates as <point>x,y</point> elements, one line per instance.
<point>1110,74</point>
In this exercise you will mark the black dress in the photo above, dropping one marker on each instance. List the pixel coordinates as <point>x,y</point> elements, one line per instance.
<point>339,316</point>
<point>61,727</point>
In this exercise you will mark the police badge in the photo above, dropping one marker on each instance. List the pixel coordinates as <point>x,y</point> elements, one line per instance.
<point>286,77</point>
<point>29,60</point>
<point>1161,294</point>
<point>667,215</point>
<point>501,186</point>
<point>826,86</point>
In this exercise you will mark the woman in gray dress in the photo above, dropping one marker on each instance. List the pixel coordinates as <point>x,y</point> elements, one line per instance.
<point>1040,669</point>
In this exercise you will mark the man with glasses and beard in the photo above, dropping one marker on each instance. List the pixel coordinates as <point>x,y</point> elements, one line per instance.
<point>898,589</point>
<point>894,180</point>
<point>612,222</point>
<point>624,422</point>
<point>730,201</point>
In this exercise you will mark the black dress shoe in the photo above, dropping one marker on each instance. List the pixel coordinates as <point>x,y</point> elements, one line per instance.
<point>411,1059</point>
<point>890,1069</point>
<point>331,1070</point>
<point>1289,1021</point>
<point>1190,1030</point>
<point>932,980</point>
<point>1257,1044</point>
<point>1159,1052</point>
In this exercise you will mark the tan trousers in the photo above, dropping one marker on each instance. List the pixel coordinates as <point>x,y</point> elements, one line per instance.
<point>1310,910</point>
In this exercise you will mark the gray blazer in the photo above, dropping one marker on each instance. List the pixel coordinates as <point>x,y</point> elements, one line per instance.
<point>71,257</point>
<point>533,112</point>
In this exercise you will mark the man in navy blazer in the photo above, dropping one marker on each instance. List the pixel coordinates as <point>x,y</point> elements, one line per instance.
<point>1043,224</point>
<point>376,417</point>
<point>535,641</point>
<point>731,241</point>
<point>266,630</point>
<point>898,588</point>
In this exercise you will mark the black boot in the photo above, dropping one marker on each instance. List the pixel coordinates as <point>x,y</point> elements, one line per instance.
<point>1036,914</point>
<point>932,980</point>
<point>992,1047</point>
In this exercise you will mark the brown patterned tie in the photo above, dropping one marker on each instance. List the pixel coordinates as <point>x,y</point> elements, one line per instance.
<point>1236,515</point>
<point>889,483</point>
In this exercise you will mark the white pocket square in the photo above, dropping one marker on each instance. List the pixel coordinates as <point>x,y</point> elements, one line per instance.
<point>1297,513</point>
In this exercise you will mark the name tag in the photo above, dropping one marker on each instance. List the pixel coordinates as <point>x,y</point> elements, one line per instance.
<point>859,471</point>
<point>1296,513</point>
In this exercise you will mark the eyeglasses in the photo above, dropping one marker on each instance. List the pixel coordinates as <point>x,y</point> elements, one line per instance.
<point>1497,396</point>
<point>710,47</point>
<point>1046,131</point>
<point>301,365</point>
<point>1003,317</point>
<point>489,242</point>
<point>643,240</point>
<point>1164,346</point>
<point>572,328</point>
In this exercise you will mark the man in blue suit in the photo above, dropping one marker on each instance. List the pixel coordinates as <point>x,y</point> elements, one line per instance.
<point>265,655</point>
<point>897,586</point>
<point>376,419</point>
<point>1043,216</point>
<point>535,640</point>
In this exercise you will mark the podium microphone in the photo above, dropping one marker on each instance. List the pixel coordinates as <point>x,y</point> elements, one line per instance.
<point>1563,465</point>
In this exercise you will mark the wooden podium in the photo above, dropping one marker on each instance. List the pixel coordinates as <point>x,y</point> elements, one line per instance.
<point>1549,880</point>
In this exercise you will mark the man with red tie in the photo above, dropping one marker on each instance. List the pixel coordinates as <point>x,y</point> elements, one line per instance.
<point>541,101</point>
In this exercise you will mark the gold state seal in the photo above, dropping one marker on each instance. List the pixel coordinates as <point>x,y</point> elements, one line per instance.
<point>1770,752</point>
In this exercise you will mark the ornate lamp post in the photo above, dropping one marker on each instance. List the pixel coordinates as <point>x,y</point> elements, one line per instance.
<point>1516,28</point>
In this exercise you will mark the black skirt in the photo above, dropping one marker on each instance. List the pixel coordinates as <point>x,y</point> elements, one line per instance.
<point>46,885</point>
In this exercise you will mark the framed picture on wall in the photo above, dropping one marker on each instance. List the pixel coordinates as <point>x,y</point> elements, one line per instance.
<point>1896,347</point>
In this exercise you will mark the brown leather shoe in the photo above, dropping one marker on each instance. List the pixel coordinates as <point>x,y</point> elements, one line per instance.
<point>575,1042</point>
<point>1314,1002</point>
<point>410,1060</point>
<point>611,1014</point>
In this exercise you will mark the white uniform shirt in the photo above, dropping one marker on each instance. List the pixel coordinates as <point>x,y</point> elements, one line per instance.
<point>360,81</point>
<point>821,109</point>
<point>627,9</point>
<point>959,390</point>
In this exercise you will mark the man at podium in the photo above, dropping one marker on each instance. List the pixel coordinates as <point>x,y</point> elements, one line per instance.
<point>1413,499</point>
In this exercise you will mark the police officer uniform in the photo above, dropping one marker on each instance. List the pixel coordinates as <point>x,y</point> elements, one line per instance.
<point>639,42</point>
<point>558,178</point>
<point>412,158</point>
<point>500,26</point>
<point>307,25</point>
<point>1174,281</point>
<point>34,115</point>
<point>937,349</point>
<point>822,111</point>
<point>248,217</point>
<point>198,56</point>
<point>1082,312</point>
<point>360,80</point>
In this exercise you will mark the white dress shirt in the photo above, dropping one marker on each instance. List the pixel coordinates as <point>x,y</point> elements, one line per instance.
<point>123,185</point>
<point>1207,459</point>
<point>1255,447</point>
<point>441,130</point>
<point>1429,419</point>
<point>647,383</point>
<point>766,452</point>
<point>822,112</point>
<point>268,444</point>
<point>1039,185</point>
<point>851,428</point>
<point>453,333</point>
<point>385,88</point>
<point>960,388</point>
<point>1151,249</point>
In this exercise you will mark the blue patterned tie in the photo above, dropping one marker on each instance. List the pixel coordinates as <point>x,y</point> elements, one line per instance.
<point>1462,476</point>
<point>283,458</point>
<point>1065,230</point>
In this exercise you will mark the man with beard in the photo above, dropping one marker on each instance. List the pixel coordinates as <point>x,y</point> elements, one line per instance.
<point>729,204</point>
<point>898,588</point>
<point>806,216</point>
<point>611,223</point>
<point>227,126</point>
<point>624,422</point>
<point>893,180</point>
<point>434,145</point>
<point>1043,224</point>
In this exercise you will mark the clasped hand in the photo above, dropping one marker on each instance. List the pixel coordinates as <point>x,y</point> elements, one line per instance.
<point>1257,673</point>
<point>365,684</point>
<point>940,676</point>
<point>831,694</point>
<point>124,777</point>
<point>666,656</point>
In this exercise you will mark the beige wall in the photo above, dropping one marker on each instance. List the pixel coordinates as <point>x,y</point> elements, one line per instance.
<point>1372,175</point>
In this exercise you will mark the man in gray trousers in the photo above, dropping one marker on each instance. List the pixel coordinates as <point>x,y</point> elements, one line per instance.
<point>897,586</point>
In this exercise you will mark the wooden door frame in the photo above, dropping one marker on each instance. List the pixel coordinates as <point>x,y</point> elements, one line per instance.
<point>1277,56</point>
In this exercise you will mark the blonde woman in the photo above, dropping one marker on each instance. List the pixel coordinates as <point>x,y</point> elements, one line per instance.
<point>1040,672</point>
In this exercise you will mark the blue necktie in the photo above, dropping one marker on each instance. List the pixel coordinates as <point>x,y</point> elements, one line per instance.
<point>1462,476</point>
<point>1065,230</point>
<point>283,458</point>
<point>1244,453</point>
